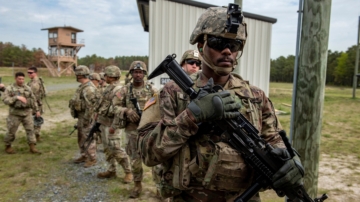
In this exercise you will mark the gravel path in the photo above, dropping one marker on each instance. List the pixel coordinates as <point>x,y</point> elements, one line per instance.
<point>63,86</point>
<point>80,181</point>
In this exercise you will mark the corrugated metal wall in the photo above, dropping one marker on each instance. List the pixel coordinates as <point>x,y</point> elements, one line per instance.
<point>170,28</point>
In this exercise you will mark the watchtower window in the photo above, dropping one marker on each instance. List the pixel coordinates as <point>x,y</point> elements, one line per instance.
<point>73,37</point>
<point>52,35</point>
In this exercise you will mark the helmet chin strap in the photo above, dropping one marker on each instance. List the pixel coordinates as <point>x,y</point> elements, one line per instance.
<point>221,71</point>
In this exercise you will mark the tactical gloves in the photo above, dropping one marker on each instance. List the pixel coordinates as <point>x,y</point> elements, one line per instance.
<point>290,175</point>
<point>214,106</point>
<point>132,115</point>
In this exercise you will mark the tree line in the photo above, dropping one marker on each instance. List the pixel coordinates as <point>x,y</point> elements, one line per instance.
<point>98,62</point>
<point>340,68</point>
<point>19,56</point>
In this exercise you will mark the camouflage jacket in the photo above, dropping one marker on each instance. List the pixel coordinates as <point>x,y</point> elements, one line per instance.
<point>185,150</point>
<point>83,101</point>
<point>16,106</point>
<point>37,87</point>
<point>122,102</point>
<point>104,107</point>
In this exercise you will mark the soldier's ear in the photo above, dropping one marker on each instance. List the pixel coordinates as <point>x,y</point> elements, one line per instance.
<point>200,47</point>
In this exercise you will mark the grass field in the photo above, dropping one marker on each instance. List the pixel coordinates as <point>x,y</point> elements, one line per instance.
<point>22,172</point>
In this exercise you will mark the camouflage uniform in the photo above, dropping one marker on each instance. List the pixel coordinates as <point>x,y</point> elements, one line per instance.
<point>103,138</point>
<point>162,142</point>
<point>20,112</point>
<point>112,142</point>
<point>81,106</point>
<point>37,87</point>
<point>195,162</point>
<point>121,103</point>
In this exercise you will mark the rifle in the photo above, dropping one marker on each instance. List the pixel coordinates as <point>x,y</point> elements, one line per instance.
<point>133,99</point>
<point>75,127</point>
<point>95,128</point>
<point>43,88</point>
<point>243,137</point>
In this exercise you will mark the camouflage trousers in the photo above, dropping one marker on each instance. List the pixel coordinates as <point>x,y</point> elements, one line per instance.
<point>113,150</point>
<point>197,195</point>
<point>13,122</point>
<point>83,130</point>
<point>38,128</point>
<point>135,159</point>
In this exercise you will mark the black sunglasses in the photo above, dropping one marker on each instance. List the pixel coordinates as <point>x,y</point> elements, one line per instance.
<point>219,43</point>
<point>30,72</point>
<point>192,62</point>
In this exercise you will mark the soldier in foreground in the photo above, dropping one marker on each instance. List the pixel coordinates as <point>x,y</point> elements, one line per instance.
<point>196,161</point>
<point>191,61</point>
<point>22,103</point>
<point>128,105</point>
<point>110,130</point>
<point>37,87</point>
<point>82,107</point>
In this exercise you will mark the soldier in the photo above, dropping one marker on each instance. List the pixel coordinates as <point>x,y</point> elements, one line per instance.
<point>82,106</point>
<point>95,79</point>
<point>37,87</point>
<point>22,103</point>
<point>191,61</point>
<point>195,161</point>
<point>110,130</point>
<point>102,82</point>
<point>129,116</point>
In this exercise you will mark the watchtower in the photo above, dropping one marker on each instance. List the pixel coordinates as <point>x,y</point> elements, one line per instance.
<point>62,50</point>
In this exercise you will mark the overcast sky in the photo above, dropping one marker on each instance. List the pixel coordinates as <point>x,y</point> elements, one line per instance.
<point>113,27</point>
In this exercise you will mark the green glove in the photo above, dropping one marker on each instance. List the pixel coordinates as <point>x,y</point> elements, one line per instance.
<point>290,175</point>
<point>214,106</point>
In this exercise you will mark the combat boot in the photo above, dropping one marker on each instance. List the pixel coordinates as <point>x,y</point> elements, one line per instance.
<point>128,178</point>
<point>38,139</point>
<point>9,150</point>
<point>89,163</point>
<point>33,149</point>
<point>135,193</point>
<point>81,159</point>
<point>160,198</point>
<point>107,174</point>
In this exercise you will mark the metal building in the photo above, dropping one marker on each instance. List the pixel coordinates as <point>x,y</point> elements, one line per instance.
<point>170,23</point>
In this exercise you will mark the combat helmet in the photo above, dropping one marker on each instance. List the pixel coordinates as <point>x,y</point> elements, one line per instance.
<point>217,22</point>
<point>190,54</point>
<point>82,70</point>
<point>94,76</point>
<point>38,121</point>
<point>220,22</point>
<point>138,65</point>
<point>112,71</point>
<point>102,75</point>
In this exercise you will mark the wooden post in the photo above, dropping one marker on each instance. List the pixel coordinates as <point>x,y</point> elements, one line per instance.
<point>355,81</point>
<point>310,88</point>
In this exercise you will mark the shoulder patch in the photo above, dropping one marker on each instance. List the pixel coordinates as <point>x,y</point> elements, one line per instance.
<point>118,94</point>
<point>150,102</point>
